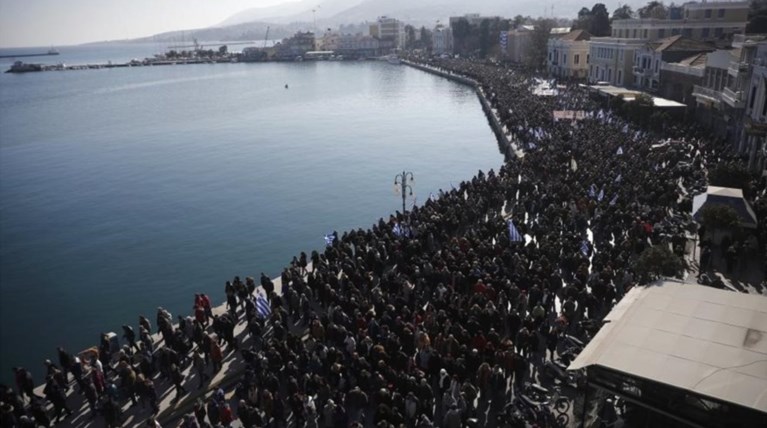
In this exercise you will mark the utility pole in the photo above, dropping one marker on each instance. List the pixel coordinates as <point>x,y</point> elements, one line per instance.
<point>401,180</point>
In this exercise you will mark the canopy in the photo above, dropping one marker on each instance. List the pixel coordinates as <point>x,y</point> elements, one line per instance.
<point>728,196</point>
<point>708,341</point>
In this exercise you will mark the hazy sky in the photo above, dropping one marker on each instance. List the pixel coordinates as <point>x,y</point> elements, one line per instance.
<point>66,22</point>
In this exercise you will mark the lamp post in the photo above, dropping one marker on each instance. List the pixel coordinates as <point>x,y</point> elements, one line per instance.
<point>401,180</point>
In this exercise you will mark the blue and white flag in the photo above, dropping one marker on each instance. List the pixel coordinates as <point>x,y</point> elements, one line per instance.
<point>532,146</point>
<point>431,197</point>
<point>601,195</point>
<point>263,308</point>
<point>620,151</point>
<point>618,178</point>
<point>329,239</point>
<point>514,235</point>
<point>400,230</point>
<point>585,247</point>
<point>614,200</point>
<point>593,191</point>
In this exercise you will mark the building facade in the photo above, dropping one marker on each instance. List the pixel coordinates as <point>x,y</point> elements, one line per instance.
<point>442,40</point>
<point>678,79</point>
<point>611,60</point>
<point>568,56</point>
<point>708,95</point>
<point>389,29</point>
<point>708,21</point>
<point>755,124</point>
<point>649,58</point>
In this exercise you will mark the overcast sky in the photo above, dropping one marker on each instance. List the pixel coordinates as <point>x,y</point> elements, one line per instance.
<point>66,22</point>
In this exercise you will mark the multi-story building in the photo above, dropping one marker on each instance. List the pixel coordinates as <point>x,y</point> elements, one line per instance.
<point>707,21</point>
<point>474,19</point>
<point>296,46</point>
<point>708,95</point>
<point>519,40</point>
<point>442,40</point>
<point>755,124</point>
<point>390,29</point>
<point>649,58</point>
<point>568,55</point>
<point>611,60</point>
<point>678,79</point>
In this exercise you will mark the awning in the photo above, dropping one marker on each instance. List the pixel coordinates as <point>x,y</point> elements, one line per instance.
<point>708,341</point>
<point>728,196</point>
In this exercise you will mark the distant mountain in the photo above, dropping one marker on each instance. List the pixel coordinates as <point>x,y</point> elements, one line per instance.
<point>288,18</point>
<point>290,12</point>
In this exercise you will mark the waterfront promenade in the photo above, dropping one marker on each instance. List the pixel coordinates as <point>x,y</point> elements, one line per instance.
<point>502,276</point>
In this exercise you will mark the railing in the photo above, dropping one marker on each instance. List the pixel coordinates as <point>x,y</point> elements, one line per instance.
<point>733,98</point>
<point>708,93</point>
<point>684,69</point>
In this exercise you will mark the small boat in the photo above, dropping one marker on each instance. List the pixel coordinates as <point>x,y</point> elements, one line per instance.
<point>393,59</point>
<point>52,51</point>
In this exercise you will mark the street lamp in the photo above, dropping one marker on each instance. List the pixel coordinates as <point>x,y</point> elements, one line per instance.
<point>401,181</point>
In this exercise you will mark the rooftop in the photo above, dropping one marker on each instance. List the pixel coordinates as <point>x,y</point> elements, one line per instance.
<point>709,341</point>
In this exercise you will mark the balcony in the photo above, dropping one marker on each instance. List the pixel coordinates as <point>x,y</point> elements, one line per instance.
<point>732,98</point>
<point>736,68</point>
<point>707,94</point>
<point>642,72</point>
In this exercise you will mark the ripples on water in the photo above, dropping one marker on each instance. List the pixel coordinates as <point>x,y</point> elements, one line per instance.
<point>126,189</point>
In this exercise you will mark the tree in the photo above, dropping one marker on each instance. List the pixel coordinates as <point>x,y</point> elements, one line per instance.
<point>539,43</point>
<point>600,21</point>
<point>658,261</point>
<point>518,21</point>
<point>409,37</point>
<point>223,50</point>
<point>426,39</point>
<point>717,216</point>
<point>757,17</point>
<point>653,9</point>
<point>623,12</point>
<point>584,20</point>
<point>731,174</point>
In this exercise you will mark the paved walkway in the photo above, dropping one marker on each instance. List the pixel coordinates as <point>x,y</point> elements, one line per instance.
<point>171,410</point>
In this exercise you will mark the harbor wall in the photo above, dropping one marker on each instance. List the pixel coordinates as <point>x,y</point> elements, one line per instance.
<point>506,141</point>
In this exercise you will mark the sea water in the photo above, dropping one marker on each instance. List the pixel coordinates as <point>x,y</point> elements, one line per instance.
<point>122,190</point>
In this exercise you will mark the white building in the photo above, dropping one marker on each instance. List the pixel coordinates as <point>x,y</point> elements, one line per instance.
<point>611,60</point>
<point>649,58</point>
<point>756,112</point>
<point>442,40</point>
<point>390,29</point>
<point>568,56</point>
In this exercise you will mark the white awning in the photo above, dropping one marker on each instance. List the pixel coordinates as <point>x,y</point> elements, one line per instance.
<point>708,341</point>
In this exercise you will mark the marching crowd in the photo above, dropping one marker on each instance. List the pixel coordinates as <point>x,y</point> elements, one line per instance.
<point>439,325</point>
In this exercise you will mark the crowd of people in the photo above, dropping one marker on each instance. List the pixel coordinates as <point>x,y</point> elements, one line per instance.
<point>440,323</point>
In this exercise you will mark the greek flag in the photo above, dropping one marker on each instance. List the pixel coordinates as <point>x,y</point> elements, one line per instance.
<point>329,239</point>
<point>400,230</point>
<point>532,146</point>
<point>514,235</point>
<point>620,151</point>
<point>614,200</point>
<point>593,191</point>
<point>431,197</point>
<point>618,178</point>
<point>263,308</point>
<point>601,195</point>
<point>585,247</point>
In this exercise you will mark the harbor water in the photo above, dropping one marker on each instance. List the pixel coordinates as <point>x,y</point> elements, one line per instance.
<point>127,189</point>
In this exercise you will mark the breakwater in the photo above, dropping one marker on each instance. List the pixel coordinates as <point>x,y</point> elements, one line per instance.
<point>507,142</point>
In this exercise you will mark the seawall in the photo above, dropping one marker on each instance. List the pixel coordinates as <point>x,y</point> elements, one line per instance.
<point>506,141</point>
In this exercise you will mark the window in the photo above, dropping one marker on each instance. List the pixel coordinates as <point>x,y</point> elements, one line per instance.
<point>587,58</point>
<point>687,32</point>
<point>753,98</point>
<point>609,74</point>
<point>705,33</point>
<point>720,13</point>
<point>657,63</point>
<point>674,31</point>
<point>620,77</point>
<point>718,32</point>
<point>635,33</point>
<point>708,13</point>
<point>644,34</point>
<point>661,33</point>
<point>564,59</point>
<point>764,99</point>
<point>576,59</point>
